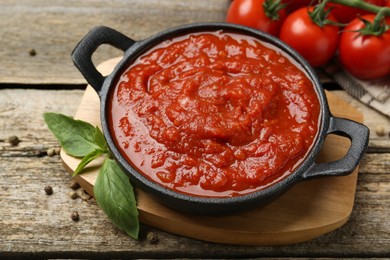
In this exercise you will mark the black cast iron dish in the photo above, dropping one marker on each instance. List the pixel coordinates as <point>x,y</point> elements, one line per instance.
<point>357,133</point>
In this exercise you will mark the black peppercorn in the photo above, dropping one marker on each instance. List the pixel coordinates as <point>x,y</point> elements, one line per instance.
<point>74,185</point>
<point>75,216</point>
<point>152,238</point>
<point>32,52</point>
<point>13,140</point>
<point>48,190</point>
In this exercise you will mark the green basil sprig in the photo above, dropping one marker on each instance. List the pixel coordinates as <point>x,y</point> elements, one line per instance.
<point>114,194</point>
<point>112,189</point>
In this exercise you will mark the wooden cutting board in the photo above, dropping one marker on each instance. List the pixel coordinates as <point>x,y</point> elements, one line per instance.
<point>307,210</point>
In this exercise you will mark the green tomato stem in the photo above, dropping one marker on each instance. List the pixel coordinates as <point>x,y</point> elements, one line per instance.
<point>363,5</point>
<point>319,15</point>
<point>379,24</point>
<point>272,8</point>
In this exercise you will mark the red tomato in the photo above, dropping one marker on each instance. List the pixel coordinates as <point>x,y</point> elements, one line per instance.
<point>251,13</point>
<point>293,5</point>
<point>345,14</point>
<point>365,56</point>
<point>316,44</point>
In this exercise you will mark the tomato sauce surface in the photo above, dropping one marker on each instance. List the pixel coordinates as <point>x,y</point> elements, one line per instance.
<point>214,114</point>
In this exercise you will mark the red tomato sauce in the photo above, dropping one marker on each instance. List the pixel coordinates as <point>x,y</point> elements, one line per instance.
<point>214,114</point>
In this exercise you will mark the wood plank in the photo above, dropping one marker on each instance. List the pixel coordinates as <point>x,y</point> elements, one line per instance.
<point>34,224</point>
<point>24,170</point>
<point>53,28</point>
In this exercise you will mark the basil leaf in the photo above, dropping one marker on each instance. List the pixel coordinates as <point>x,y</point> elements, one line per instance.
<point>87,159</point>
<point>99,139</point>
<point>114,194</point>
<point>76,137</point>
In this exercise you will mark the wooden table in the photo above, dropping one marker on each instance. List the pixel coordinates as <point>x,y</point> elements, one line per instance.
<point>37,75</point>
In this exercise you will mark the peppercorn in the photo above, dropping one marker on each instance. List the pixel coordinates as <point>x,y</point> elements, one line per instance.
<point>57,151</point>
<point>50,152</point>
<point>13,140</point>
<point>74,185</point>
<point>48,190</point>
<point>75,216</point>
<point>83,194</point>
<point>380,130</point>
<point>152,238</point>
<point>32,52</point>
<point>73,195</point>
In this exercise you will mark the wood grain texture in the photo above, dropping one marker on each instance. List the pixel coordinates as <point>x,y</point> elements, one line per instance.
<point>53,28</point>
<point>34,224</point>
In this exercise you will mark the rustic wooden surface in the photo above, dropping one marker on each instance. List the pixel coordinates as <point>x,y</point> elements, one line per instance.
<point>33,224</point>
<point>53,28</point>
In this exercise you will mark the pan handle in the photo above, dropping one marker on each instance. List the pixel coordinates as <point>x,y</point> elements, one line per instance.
<point>358,134</point>
<point>82,54</point>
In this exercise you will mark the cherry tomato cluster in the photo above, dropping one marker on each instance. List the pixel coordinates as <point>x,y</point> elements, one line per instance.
<point>319,34</point>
